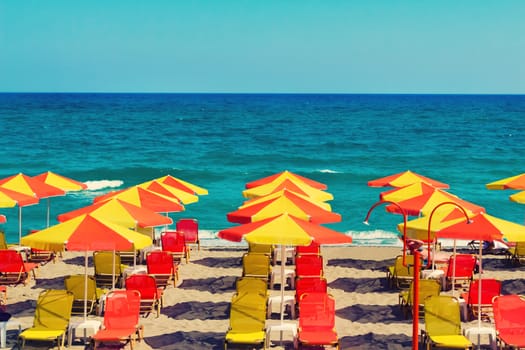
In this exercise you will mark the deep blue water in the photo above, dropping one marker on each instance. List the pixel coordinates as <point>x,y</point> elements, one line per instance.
<point>222,141</point>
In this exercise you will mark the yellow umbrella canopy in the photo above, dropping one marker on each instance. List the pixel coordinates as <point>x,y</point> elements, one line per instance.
<point>291,185</point>
<point>403,179</point>
<point>279,177</point>
<point>120,212</point>
<point>518,197</point>
<point>159,187</point>
<point>288,194</point>
<point>182,185</point>
<point>62,182</point>
<point>144,198</point>
<point>516,182</point>
<point>84,233</point>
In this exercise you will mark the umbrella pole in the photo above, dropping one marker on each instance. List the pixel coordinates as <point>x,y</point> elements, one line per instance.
<point>113,272</point>
<point>85,284</point>
<point>479,287</point>
<point>283,261</point>
<point>19,225</point>
<point>454,270</point>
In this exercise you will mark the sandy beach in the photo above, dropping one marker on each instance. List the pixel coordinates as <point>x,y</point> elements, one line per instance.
<point>195,313</point>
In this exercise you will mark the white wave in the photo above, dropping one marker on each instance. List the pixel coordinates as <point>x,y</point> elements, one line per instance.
<point>328,171</point>
<point>97,185</point>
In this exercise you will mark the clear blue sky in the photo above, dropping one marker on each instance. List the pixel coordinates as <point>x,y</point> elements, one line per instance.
<point>345,46</point>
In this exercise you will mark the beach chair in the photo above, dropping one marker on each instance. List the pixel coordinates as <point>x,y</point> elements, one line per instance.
<point>255,248</point>
<point>251,284</point>
<point>75,284</point>
<point>490,288</point>
<point>51,320</point>
<point>309,285</point>
<point>13,269</point>
<point>247,320</point>
<point>160,265</point>
<point>399,275</point>
<point>427,288</point>
<point>121,319</point>
<point>41,256</point>
<point>256,265</point>
<point>443,324</point>
<point>516,254</point>
<point>150,294</point>
<point>317,321</point>
<point>190,229</point>
<point>309,266</point>
<point>174,242</point>
<point>129,257</point>
<point>461,269</point>
<point>108,269</point>
<point>313,248</point>
<point>509,321</point>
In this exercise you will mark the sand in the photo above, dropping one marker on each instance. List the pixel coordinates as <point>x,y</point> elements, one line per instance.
<point>195,313</point>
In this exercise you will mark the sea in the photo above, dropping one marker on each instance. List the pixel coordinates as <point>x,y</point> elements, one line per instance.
<point>220,142</point>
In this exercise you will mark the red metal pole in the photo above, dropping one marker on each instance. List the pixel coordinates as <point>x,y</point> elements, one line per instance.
<point>415,302</point>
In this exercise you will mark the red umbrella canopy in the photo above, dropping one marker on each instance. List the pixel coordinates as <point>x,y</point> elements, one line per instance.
<point>479,227</point>
<point>182,185</point>
<point>145,199</point>
<point>9,199</point>
<point>3,219</point>
<point>516,182</point>
<point>405,178</point>
<point>421,198</point>
<point>30,186</point>
<point>60,181</point>
<point>284,229</point>
<point>283,176</point>
<point>123,213</point>
<point>294,205</point>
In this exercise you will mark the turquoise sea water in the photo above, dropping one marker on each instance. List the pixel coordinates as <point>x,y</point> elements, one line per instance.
<point>222,141</point>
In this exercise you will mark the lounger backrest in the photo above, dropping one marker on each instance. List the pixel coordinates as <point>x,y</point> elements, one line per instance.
<point>442,315</point>
<point>508,312</point>
<point>159,262</point>
<point>53,309</point>
<point>122,309</point>
<point>189,228</point>
<point>145,284</point>
<point>11,261</point>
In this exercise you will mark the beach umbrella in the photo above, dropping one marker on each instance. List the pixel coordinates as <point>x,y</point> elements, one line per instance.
<point>283,230</point>
<point>64,183</point>
<point>518,197</point>
<point>405,178</point>
<point>144,198</point>
<point>294,205</point>
<point>87,233</point>
<point>159,187</point>
<point>480,227</point>
<point>283,176</point>
<point>182,185</point>
<point>288,194</point>
<point>516,182</point>
<point>421,198</point>
<point>291,185</point>
<point>120,212</point>
<point>3,219</point>
<point>32,187</point>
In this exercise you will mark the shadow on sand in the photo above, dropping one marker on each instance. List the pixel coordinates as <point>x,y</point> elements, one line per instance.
<point>195,310</point>
<point>187,341</point>
<point>376,341</point>
<point>225,284</point>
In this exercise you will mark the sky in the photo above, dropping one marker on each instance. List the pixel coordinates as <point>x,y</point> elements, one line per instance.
<point>270,46</point>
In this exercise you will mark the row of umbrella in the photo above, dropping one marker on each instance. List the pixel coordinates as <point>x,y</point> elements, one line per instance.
<point>284,209</point>
<point>455,218</point>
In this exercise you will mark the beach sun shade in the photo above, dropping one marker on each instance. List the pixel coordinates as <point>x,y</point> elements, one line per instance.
<point>279,177</point>
<point>9,199</point>
<point>480,227</point>
<point>86,233</point>
<point>169,191</point>
<point>64,183</point>
<point>516,182</point>
<point>288,194</point>
<point>518,197</point>
<point>31,187</point>
<point>182,185</point>
<point>291,185</point>
<point>283,230</point>
<point>145,199</point>
<point>296,206</point>
<point>420,199</point>
<point>405,178</point>
<point>120,212</point>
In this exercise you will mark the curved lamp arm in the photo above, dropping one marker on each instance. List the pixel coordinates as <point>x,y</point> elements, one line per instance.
<point>404,222</point>
<point>430,222</point>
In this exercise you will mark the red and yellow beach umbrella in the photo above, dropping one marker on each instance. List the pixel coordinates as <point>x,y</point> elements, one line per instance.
<point>182,185</point>
<point>159,187</point>
<point>144,198</point>
<point>516,182</point>
<point>62,182</point>
<point>120,212</point>
<point>420,199</point>
<point>288,194</point>
<point>296,206</point>
<point>291,185</point>
<point>405,178</point>
<point>286,175</point>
